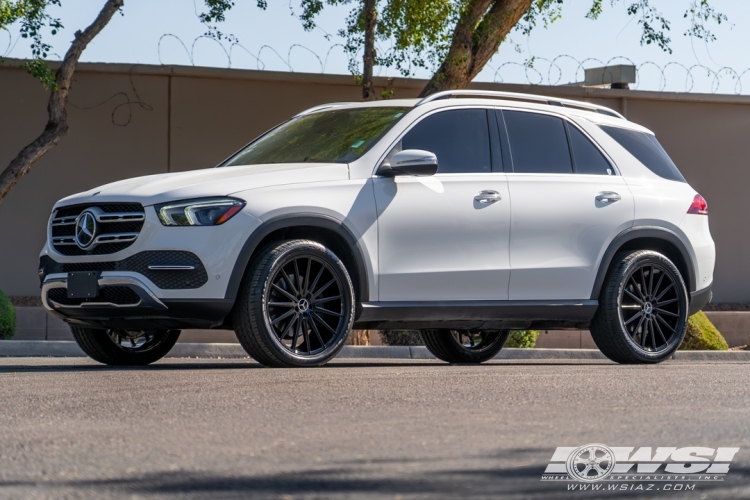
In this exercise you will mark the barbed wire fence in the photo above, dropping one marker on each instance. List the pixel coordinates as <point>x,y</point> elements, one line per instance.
<point>673,76</point>
<point>556,75</point>
<point>563,69</point>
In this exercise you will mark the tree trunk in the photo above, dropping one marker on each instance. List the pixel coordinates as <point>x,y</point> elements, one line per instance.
<point>359,337</point>
<point>479,32</point>
<point>57,126</point>
<point>371,16</point>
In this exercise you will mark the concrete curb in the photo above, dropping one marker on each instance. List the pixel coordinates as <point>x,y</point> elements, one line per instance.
<point>52,348</point>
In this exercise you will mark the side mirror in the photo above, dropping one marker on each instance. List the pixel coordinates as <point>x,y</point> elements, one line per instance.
<point>412,162</point>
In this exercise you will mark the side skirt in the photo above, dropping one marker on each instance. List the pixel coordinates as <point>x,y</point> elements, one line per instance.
<point>479,315</point>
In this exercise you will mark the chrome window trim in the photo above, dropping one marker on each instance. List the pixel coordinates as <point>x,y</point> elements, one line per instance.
<point>572,124</point>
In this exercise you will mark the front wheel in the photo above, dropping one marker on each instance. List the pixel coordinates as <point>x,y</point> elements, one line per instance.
<point>643,309</point>
<point>296,305</point>
<point>125,347</point>
<point>465,346</point>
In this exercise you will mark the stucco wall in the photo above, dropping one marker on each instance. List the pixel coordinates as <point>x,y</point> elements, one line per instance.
<point>194,117</point>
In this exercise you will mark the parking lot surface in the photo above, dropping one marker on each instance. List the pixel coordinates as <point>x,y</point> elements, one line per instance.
<point>188,428</point>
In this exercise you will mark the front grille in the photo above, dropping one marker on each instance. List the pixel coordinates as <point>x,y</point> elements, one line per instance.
<point>139,263</point>
<point>120,295</point>
<point>118,226</point>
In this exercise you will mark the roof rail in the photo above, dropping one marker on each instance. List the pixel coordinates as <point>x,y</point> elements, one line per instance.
<point>552,101</point>
<point>322,106</point>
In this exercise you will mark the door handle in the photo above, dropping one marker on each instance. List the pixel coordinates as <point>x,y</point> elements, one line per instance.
<point>487,197</point>
<point>608,197</point>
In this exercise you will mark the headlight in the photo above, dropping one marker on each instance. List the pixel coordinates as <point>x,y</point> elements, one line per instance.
<point>205,212</point>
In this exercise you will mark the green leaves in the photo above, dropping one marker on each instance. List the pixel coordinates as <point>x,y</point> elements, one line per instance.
<point>655,26</point>
<point>701,13</point>
<point>7,317</point>
<point>42,72</point>
<point>417,33</point>
<point>217,10</point>
<point>34,19</point>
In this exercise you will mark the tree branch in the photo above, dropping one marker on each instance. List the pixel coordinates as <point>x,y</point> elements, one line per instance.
<point>482,26</point>
<point>57,126</point>
<point>368,59</point>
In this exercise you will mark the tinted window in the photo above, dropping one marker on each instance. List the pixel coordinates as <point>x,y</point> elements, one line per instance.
<point>459,138</point>
<point>647,150</point>
<point>538,143</point>
<point>336,136</point>
<point>587,157</point>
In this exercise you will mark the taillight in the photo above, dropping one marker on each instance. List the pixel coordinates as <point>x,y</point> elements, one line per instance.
<point>699,206</point>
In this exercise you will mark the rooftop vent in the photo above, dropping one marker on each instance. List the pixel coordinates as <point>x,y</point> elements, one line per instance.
<point>616,77</point>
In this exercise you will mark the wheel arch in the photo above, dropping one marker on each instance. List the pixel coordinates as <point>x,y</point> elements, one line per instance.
<point>321,228</point>
<point>658,239</point>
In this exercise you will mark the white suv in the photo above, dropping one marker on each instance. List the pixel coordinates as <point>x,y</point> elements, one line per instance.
<point>463,215</point>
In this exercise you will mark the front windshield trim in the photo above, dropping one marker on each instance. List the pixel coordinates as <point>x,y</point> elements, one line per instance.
<point>229,158</point>
<point>331,135</point>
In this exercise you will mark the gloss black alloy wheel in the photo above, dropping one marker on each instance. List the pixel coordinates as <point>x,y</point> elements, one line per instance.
<point>296,305</point>
<point>136,340</point>
<point>465,346</point>
<point>643,309</point>
<point>650,307</point>
<point>125,347</point>
<point>304,306</point>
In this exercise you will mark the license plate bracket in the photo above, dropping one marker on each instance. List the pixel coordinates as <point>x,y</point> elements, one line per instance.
<point>83,284</point>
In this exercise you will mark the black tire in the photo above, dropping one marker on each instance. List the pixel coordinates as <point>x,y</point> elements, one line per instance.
<point>145,347</point>
<point>279,317</point>
<point>643,309</point>
<point>465,346</point>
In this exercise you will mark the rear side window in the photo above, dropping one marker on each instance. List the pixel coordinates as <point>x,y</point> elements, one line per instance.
<point>647,150</point>
<point>459,138</point>
<point>538,143</point>
<point>588,159</point>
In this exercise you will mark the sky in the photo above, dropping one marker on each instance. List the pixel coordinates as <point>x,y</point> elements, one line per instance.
<point>169,32</point>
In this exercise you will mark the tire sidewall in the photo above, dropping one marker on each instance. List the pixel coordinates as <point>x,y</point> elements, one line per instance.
<point>100,347</point>
<point>623,276</point>
<point>448,348</point>
<point>258,307</point>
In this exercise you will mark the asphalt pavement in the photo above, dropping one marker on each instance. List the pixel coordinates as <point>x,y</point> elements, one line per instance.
<point>397,429</point>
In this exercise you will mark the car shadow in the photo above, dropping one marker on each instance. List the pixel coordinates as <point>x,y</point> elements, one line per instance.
<point>412,478</point>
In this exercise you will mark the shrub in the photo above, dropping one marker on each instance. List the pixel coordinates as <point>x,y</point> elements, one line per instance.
<point>517,338</point>
<point>7,318</point>
<point>702,335</point>
<point>401,337</point>
<point>522,338</point>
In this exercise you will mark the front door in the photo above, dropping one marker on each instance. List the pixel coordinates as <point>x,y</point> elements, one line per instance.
<point>444,237</point>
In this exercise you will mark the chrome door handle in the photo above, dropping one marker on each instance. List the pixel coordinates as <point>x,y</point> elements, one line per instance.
<point>608,197</point>
<point>488,197</point>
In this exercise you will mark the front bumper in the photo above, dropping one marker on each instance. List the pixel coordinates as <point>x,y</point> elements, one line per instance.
<point>147,311</point>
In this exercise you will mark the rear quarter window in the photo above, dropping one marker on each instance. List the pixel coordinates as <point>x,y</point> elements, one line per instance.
<point>647,150</point>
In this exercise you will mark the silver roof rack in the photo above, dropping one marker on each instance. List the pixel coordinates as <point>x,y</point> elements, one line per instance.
<point>552,101</point>
<point>322,106</point>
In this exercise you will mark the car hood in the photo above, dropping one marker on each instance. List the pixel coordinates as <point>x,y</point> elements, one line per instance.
<point>160,188</point>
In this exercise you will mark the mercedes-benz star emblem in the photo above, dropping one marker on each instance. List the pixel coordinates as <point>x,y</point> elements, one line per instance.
<point>86,227</point>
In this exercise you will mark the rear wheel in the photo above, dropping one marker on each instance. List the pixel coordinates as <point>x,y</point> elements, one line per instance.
<point>643,309</point>
<point>465,346</point>
<point>125,347</point>
<point>296,306</point>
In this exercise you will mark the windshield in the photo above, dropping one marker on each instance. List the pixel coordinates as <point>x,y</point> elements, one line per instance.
<point>336,136</point>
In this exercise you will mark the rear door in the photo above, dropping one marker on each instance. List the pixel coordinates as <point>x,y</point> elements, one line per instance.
<point>567,204</point>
